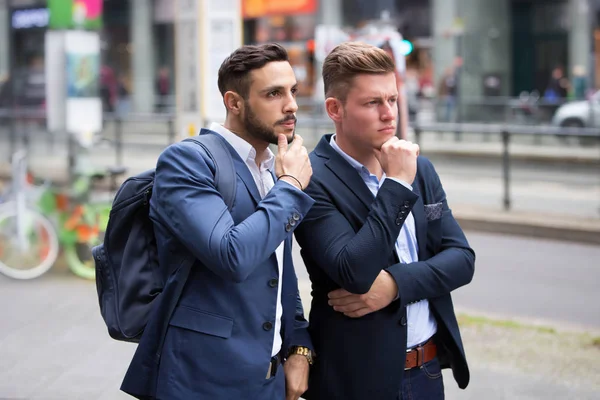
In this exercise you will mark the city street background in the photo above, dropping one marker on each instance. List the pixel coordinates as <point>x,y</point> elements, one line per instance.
<point>472,74</point>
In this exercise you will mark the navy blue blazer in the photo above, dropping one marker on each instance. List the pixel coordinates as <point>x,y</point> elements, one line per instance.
<point>220,334</point>
<point>347,238</point>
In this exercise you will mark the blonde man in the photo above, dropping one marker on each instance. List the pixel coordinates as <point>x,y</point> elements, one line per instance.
<point>381,246</point>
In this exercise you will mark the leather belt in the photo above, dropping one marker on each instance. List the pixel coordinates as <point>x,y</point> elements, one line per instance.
<point>273,365</point>
<point>420,355</point>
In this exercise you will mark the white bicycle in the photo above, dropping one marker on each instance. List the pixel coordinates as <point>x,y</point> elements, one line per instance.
<point>28,240</point>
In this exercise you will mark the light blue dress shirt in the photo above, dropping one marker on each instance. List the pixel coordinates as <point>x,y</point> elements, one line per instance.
<point>421,322</point>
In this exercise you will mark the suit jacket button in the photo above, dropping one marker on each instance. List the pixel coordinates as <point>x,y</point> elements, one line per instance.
<point>267,326</point>
<point>296,217</point>
<point>406,204</point>
<point>288,227</point>
<point>398,221</point>
<point>403,321</point>
<point>273,283</point>
<point>292,222</point>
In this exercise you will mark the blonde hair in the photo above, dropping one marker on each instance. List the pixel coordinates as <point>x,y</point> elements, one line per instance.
<point>350,59</point>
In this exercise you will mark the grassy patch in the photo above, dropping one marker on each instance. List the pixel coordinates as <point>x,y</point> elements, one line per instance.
<point>475,321</point>
<point>596,341</point>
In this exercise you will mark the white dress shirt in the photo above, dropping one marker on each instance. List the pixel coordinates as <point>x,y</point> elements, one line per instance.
<point>421,322</point>
<point>264,182</point>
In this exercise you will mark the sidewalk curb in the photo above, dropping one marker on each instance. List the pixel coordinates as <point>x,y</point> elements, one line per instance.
<point>494,154</point>
<point>482,219</point>
<point>531,225</point>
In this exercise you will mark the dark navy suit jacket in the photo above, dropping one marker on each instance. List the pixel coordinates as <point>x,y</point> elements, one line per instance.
<point>220,334</point>
<point>347,238</point>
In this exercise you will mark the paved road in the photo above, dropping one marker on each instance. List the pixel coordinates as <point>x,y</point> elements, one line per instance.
<point>53,344</point>
<point>542,281</point>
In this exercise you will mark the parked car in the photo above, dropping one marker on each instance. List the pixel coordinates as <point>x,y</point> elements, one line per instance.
<point>579,114</point>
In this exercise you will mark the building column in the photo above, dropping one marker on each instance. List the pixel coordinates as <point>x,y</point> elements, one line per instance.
<point>143,68</point>
<point>485,46</point>
<point>330,13</point>
<point>580,38</point>
<point>4,37</point>
<point>444,36</point>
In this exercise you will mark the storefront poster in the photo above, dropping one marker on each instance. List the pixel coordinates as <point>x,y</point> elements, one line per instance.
<point>75,14</point>
<point>83,75</point>
<point>84,107</point>
<point>263,8</point>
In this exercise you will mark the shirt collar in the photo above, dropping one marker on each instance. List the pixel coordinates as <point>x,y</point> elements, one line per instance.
<point>362,170</point>
<point>243,148</point>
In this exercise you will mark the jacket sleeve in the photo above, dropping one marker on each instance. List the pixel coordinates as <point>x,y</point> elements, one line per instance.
<point>301,336</point>
<point>354,259</point>
<point>452,267</point>
<point>186,201</point>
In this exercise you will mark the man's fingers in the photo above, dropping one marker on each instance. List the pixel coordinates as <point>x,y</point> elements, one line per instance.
<point>349,307</point>
<point>298,141</point>
<point>282,143</point>
<point>339,293</point>
<point>358,313</point>
<point>343,301</point>
<point>417,148</point>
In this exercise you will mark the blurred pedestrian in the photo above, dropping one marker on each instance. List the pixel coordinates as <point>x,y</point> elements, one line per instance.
<point>5,97</point>
<point>381,247</point>
<point>412,93</point>
<point>108,88</point>
<point>163,89</point>
<point>123,103</point>
<point>240,314</point>
<point>579,86</point>
<point>447,93</point>
<point>557,88</point>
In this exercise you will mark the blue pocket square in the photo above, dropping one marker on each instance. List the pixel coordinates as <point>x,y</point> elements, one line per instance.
<point>433,211</point>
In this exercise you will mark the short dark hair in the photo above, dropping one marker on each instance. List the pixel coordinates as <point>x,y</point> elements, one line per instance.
<point>350,59</point>
<point>235,70</point>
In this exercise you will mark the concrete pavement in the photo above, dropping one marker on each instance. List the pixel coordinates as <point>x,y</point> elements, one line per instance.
<point>54,346</point>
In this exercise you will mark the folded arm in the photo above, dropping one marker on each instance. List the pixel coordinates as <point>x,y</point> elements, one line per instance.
<point>452,267</point>
<point>354,259</point>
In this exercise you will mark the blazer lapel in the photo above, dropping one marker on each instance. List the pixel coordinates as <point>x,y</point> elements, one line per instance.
<point>418,212</point>
<point>246,176</point>
<point>344,171</point>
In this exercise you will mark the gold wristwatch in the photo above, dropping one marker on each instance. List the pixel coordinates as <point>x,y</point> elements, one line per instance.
<point>303,351</point>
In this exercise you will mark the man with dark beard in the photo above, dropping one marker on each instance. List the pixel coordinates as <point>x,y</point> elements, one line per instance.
<point>239,316</point>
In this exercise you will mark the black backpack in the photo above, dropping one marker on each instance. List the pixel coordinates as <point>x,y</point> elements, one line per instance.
<point>128,279</point>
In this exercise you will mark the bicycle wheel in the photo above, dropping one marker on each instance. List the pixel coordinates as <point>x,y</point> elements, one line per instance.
<point>31,254</point>
<point>79,259</point>
<point>78,254</point>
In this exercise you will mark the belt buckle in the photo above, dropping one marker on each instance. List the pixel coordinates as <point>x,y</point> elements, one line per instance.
<point>420,352</point>
<point>407,353</point>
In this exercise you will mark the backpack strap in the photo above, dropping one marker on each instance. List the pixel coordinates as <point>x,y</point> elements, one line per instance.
<point>217,150</point>
<point>225,178</point>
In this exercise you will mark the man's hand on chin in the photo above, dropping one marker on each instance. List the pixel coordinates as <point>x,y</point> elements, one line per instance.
<point>383,291</point>
<point>296,370</point>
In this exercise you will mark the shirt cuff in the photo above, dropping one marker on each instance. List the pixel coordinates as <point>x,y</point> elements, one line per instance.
<point>406,185</point>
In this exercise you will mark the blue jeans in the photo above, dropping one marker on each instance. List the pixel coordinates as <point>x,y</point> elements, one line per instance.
<point>424,383</point>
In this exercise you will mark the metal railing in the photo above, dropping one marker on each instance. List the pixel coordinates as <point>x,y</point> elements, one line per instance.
<point>117,128</point>
<point>506,132</point>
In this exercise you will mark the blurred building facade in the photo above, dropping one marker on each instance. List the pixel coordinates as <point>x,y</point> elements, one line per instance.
<point>500,47</point>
